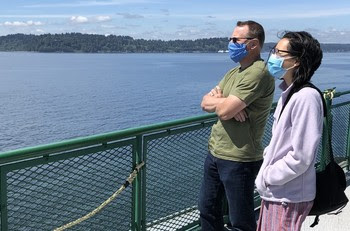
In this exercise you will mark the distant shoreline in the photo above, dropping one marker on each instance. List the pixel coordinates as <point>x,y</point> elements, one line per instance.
<point>89,43</point>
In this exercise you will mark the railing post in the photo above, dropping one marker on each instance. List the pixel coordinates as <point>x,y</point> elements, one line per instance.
<point>137,187</point>
<point>348,146</point>
<point>143,182</point>
<point>3,200</point>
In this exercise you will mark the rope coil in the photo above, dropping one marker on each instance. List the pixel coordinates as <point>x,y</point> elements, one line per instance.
<point>128,181</point>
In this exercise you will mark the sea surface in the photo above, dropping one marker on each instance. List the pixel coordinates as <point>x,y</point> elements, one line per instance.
<point>52,97</point>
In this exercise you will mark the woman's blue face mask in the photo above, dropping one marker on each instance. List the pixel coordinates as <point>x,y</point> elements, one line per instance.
<point>237,51</point>
<point>275,66</point>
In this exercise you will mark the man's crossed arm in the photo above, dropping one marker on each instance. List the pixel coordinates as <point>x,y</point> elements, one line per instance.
<point>225,107</point>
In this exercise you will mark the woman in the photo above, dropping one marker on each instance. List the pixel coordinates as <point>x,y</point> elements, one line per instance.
<point>287,179</point>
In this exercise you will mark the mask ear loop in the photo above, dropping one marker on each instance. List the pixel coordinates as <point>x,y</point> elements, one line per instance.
<point>246,45</point>
<point>294,65</point>
<point>290,67</point>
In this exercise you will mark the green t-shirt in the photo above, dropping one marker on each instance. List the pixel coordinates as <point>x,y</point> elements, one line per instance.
<point>241,141</point>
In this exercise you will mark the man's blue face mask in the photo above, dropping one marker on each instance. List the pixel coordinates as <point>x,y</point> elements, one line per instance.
<point>237,51</point>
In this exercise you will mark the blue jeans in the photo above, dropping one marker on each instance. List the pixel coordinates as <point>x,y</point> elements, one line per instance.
<point>236,181</point>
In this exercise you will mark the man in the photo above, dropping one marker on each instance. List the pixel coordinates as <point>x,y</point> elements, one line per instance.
<point>242,101</point>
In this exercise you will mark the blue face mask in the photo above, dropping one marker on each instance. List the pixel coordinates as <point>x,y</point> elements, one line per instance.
<point>237,51</point>
<point>274,65</point>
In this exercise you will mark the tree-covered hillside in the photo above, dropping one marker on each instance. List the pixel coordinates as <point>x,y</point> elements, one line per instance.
<point>89,43</point>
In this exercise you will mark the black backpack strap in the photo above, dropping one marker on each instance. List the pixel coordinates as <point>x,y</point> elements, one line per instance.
<point>296,89</point>
<point>317,219</point>
<point>292,91</point>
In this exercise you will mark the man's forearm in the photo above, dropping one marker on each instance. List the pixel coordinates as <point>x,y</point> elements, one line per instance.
<point>229,107</point>
<point>209,103</point>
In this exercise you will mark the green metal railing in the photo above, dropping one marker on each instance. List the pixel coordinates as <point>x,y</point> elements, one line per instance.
<point>48,186</point>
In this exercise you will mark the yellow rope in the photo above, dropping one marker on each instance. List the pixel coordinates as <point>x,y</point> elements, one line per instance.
<point>99,208</point>
<point>330,93</point>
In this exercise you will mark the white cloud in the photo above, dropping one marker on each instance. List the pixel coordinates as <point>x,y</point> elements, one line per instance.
<point>79,19</point>
<point>90,19</point>
<point>103,18</point>
<point>22,24</point>
<point>32,23</point>
<point>16,23</point>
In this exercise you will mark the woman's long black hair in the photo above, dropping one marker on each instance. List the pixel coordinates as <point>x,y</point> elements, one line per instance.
<point>307,51</point>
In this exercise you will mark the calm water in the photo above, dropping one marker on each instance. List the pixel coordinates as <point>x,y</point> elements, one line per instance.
<point>51,97</point>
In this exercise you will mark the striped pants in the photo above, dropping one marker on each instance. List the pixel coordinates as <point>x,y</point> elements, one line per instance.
<point>277,216</point>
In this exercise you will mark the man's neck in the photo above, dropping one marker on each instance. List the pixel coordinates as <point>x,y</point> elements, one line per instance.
<point>247,61</point>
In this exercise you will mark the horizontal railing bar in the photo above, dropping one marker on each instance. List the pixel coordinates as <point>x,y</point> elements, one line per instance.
<point>337,94</point>
<point>65,155</point>
<point>180,130</point>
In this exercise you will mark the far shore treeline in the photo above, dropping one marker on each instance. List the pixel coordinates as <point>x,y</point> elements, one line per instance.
<point>90,43</point>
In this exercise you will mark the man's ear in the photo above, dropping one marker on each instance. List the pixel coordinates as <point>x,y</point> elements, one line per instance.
<point>254,43</point>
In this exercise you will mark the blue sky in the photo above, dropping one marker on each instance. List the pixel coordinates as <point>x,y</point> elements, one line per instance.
<point>328,21</point>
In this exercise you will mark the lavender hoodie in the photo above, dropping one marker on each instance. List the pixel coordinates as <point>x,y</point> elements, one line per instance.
<point>288,173</point>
